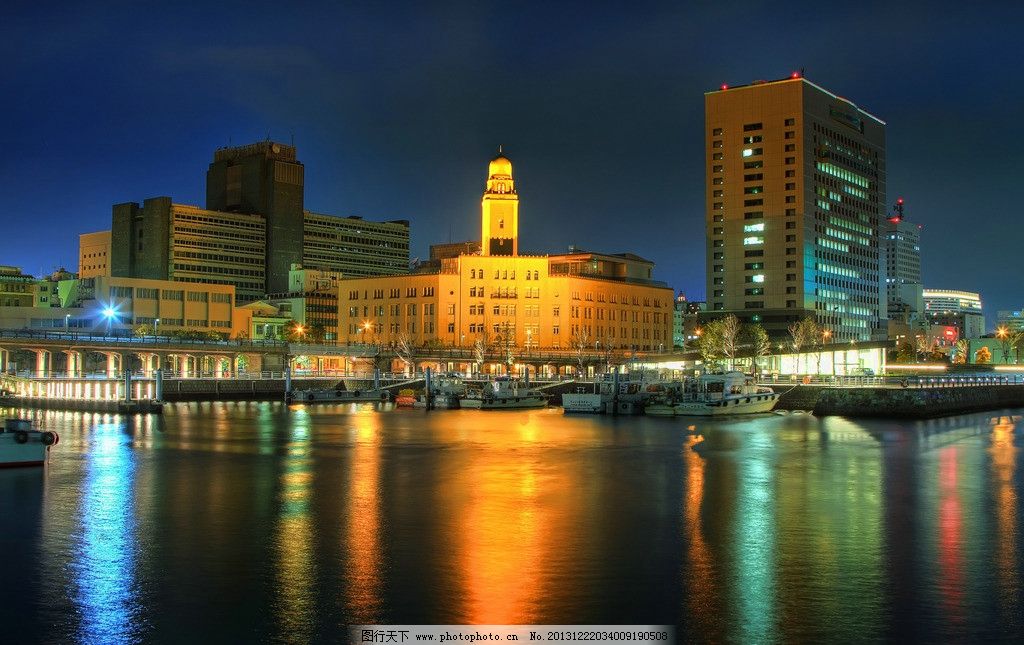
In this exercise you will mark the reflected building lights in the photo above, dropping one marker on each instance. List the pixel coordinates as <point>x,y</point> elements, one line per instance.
<point>104,567</point>
<point>296,600</point>
<point>363,525</point>
<point>754,575</point>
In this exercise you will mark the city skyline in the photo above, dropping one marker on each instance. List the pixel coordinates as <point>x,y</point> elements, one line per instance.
<point>393,113</point>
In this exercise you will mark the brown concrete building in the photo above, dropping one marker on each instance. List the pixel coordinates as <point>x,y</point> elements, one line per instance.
<point>795,200</point>
<point>94,254</point>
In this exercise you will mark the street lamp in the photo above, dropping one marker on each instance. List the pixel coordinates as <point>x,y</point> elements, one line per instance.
<point>826,335</point>
<point>109,313</point>
<point>67,318</point>
<point>1003,334</point>
<point>156,327</point>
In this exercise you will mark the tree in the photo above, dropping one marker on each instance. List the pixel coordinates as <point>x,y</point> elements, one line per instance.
<point>580,342</point>
<point>406,351</point>
<point>961,350</point>
<point>806,332</point>
<point>294,331</point>
<point>983,356</point>
<point>1016,341</point>
<point>756,338</point>
<point>316,333</point>
<point>924,345</point>
<point>709,343</point>
<point>507,342</point>
<point>728,337</point>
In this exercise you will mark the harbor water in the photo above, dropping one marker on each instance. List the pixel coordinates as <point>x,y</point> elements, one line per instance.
<point>255,522</point>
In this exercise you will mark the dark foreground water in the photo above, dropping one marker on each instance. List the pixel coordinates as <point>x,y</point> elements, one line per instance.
<point>242,522</point>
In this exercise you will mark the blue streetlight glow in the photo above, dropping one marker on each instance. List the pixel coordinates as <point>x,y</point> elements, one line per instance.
<point>109,312</point>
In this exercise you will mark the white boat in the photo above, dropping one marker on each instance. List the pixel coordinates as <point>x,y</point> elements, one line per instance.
<point>504,394</point>
<point>631,395</point>
<point>20,445</point>
<point>446,392</point>
<point>337,396</point>
<point>728,393</point>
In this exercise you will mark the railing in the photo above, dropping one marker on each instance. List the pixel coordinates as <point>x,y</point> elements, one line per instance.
<point>895,381</point>
<point>89,337</point>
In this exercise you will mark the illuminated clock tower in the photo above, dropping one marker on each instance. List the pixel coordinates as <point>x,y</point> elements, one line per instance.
<point>500,210</point>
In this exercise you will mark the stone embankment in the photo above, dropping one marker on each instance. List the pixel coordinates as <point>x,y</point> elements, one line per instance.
<point>916,403</point>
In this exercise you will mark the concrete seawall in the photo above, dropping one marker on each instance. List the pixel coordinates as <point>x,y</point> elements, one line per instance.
<point>916,403</point>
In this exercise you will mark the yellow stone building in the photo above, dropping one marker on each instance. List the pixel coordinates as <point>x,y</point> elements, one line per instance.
<point>602,301</point>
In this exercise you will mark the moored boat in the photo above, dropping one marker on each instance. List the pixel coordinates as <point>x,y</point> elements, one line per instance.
<point>20,445</point>
<point>446,392</point>
<point>337,396</point>
<point>503,394</point>
<point>725,394</point>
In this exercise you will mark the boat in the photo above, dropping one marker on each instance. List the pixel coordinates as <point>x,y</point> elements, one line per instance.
<point>727,393</point>
<point>20,445</point>
<point>406,398</point>
<point>503,394</point>
<point>337,395</point>
<point>610,395</point>
<point>446,392</point>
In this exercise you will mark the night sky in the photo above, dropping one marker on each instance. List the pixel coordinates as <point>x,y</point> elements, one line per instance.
<point>396,109</point>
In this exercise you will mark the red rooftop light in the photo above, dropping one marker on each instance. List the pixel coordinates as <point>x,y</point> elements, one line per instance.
<point>899,200</point>
<point>724,86</point>
<point>795,75</point>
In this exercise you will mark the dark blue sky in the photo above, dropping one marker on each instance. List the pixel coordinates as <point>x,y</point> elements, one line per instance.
<point>396,109</point>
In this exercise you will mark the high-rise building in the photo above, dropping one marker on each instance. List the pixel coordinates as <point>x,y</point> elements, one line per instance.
<point>251,233</point>
<point>952,308</point>
<point>795,188</point>
<point>902,242</point>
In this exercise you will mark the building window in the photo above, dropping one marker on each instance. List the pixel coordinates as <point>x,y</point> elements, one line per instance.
<point>790,161</point>
<point>717,132</point>
<point>790,212</point>
<point>753,305</point>
<point>790,147</point>
<point>718,181</point>
<point>790,277</point>
<point>791,186</point>
<point>718,156</point>
<point>754,254</point>
<point>717,281</point>
<point>718,206</point>
<point>717,217</point>
<point>751,165</point>
<point>790,224</point>
<point>790,264</point>
<point>756,291</point>
<point>790,121</point>
<point>791,304</point>
<point>753,202</point>
<point>790,251</point>
<point>718,230</point>
<point>789,134</point>
<point>716,144</point>
<point>718,243</point>
<point>791,238</point>
<point>790,289</point>
<point>718,193</point>
<point>790,199</point>
<point>719,255</point>
<point>790,173</point>
<point>750,127</point>
<point>719,293</point>
<point>753,215</point>
<point>751,152</point>
<point>754,177</point>
<point>753,190</point>
<point>716,169</point>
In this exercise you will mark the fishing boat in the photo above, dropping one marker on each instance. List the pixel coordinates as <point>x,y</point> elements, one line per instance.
<point>724,394</point>
<point>503,394</point>
<point>610,395</point>
<point>446,392</point>
<point>20,445</point>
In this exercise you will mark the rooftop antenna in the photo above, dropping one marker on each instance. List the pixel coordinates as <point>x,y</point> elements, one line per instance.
<point>293,138</point>
<point>898,208</point>
<point>499,149</point>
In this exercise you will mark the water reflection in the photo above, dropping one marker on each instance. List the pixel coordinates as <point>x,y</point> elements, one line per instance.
<point>284,524</point>
<point>295,601</point>
<point>362,546</point>
<point>105,555</point>
<point>514,510</point>
<point>1003,457</point>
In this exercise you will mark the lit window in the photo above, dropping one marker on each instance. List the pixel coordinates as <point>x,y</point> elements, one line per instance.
<point>751,228</point>
<point>759,277</point>
<point>747,152</point>
<point>753,239</point>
